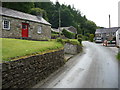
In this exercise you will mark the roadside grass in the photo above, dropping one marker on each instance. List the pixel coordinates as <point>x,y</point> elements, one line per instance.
<point>118,56</point>
<point>72,41</point>
<point>15,48</point>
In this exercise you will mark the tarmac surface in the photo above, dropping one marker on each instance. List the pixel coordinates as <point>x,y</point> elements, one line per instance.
<point>96,67</point>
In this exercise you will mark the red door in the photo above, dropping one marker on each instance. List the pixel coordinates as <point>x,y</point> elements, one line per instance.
<point>24,30</point>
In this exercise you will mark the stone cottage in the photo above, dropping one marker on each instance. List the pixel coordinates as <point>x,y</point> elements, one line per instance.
<point>106,33</point>
<point>16,24</point>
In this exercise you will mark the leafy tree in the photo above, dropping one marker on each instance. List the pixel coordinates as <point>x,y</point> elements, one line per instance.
<point>20,6</point>
<point>38,11</point>
<point>91,26</point>
<point>66,17</point>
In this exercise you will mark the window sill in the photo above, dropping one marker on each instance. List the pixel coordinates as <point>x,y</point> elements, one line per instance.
<point>6,29</point>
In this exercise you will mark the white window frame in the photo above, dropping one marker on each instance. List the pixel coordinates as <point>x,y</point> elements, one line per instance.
<point>39,31</point>
<point>119,36</point>
<point>8,25</point>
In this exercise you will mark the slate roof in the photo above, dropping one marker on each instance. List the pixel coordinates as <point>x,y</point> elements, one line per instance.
<point>21,15</point>
<point>64,28</point>
<point>68,28</point>
<point>55,30</point>
<point>107,30</point>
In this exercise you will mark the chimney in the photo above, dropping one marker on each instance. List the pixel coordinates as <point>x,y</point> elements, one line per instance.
<point>109,21</point>
<point>119,14</point>
<point>39,16</point>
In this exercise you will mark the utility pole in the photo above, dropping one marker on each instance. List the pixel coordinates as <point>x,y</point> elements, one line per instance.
<point>59,23</point>
<point>109,21</point>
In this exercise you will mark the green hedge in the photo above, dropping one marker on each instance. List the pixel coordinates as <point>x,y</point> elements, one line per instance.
<point>68,34</point>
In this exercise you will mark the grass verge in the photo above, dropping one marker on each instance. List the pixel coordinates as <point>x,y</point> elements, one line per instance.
<point>16,48</point>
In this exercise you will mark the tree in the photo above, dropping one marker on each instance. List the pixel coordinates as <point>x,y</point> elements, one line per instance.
<point>20,6</point>
<point>66,18</point>
<point>38,11</point>
<point>91,26</point>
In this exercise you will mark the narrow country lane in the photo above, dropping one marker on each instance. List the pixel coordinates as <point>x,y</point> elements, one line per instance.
<point>97,67</point>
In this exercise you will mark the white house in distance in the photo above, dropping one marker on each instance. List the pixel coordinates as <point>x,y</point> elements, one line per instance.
<point>118,38</point>
<point>118,32</point>
<point>106,34</point>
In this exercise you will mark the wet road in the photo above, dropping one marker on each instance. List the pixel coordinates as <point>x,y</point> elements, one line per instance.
<point>97,67</point>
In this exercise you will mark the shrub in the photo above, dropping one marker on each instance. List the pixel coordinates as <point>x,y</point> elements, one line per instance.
<point>54,36</point>
<point>85,38</point>
<point>91,37</point>
<point>79,36</point>
<point>82,37</point>
<point>80,40</point>
<point>59,40</point>
<point>68,34</point>
<point>71,41</point>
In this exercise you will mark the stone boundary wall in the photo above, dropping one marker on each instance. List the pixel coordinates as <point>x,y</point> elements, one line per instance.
<point>25,73</point>
<point>72,49</point>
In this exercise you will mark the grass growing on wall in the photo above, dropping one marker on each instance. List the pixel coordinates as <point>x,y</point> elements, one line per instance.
<point>14,48</point>
<point>118,56</point>
<point>72,41</point>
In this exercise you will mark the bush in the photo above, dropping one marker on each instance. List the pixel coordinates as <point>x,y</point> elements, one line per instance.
<point>71,41</point>
<point>68,34</point>
<point>80,40</point>
<point>79,36</point>
<point>54,36</point>
<point>85,38</point>
<point>82,37</point>
<point>91,37</point>
<point>59,40</point>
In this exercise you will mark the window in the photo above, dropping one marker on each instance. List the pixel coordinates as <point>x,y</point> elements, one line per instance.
<point>39,30</point>
<point>113,34</point>
<point>107,34</point>
<point>119,36</point>
<point>24,26</point>
<point>6,24</point>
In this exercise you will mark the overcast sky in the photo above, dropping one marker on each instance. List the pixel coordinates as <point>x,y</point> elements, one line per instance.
<point>97,10</point>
